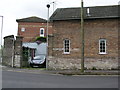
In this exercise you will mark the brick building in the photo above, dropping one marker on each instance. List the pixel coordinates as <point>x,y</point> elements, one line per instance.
<point>32,27</point>
<point>101,38</point>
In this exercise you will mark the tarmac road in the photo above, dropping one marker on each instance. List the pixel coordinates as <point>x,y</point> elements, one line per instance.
<point>11,79</point>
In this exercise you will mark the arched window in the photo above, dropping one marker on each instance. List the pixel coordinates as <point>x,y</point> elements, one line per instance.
<point>41,32</point>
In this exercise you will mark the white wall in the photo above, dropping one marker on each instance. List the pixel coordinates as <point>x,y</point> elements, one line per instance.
<point>40,48</point>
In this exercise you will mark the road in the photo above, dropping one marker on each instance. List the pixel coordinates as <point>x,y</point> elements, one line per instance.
<point>31,80</point>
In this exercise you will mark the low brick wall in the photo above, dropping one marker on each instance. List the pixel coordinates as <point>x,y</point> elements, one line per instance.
<point>90,63</point>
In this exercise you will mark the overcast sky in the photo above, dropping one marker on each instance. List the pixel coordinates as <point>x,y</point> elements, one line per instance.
<point>17,9</point>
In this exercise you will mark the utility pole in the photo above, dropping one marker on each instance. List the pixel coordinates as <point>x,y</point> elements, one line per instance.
<point>1,29</point>
<point>54,3</point>
<point>82,37</point>
<point>48,6</point>
<point>53,6</point>
<point>1,38</point>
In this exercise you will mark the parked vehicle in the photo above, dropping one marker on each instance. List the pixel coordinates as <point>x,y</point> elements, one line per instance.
<point>39,61</point>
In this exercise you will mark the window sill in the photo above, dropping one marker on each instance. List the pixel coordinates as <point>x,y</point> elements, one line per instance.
<point>102,53</point>
<point>66,53</point>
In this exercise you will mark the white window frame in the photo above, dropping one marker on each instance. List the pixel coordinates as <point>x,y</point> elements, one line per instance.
<point>22,29</point>
<point>42,35</point>
<point>64,44</point>
<point>104,46</point>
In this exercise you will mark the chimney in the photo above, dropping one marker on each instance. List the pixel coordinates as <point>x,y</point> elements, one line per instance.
<point>88,12</point>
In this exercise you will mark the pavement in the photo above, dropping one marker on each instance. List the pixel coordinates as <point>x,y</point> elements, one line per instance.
<point>61,72</point>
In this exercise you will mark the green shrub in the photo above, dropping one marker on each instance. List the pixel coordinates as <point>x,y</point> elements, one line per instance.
<point>42,39</point>
<point>94,68</point>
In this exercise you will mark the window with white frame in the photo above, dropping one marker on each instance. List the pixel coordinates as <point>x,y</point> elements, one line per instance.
<point>42,32</point>
<point>22,29</point>
<point>102,46</point>
<point>66,46</point>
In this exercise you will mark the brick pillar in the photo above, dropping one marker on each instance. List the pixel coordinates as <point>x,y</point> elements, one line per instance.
<point>50,47</point>
<point>50,50</point>
<point>18,52</point>
<point>8,50</point>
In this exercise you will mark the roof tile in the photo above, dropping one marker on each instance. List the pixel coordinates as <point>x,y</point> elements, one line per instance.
<point>32,19</point>
<point>94,12</point>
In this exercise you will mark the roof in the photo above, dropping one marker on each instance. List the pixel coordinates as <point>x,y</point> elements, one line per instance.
<point>89,13</point>
<point>32,19</point>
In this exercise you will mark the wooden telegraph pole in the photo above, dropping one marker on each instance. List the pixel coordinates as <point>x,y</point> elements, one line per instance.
<point>82,37</point>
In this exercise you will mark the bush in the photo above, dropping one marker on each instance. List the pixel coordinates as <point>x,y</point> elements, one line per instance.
<point>94,68</point>
<point>42,39</point>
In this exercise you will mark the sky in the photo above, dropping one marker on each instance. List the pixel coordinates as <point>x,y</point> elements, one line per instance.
<point>17,9</point>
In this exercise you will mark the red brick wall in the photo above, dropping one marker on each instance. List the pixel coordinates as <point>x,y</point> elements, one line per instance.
<point>32,30</point>
<point>94,30</point>
<point>107,29</point>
